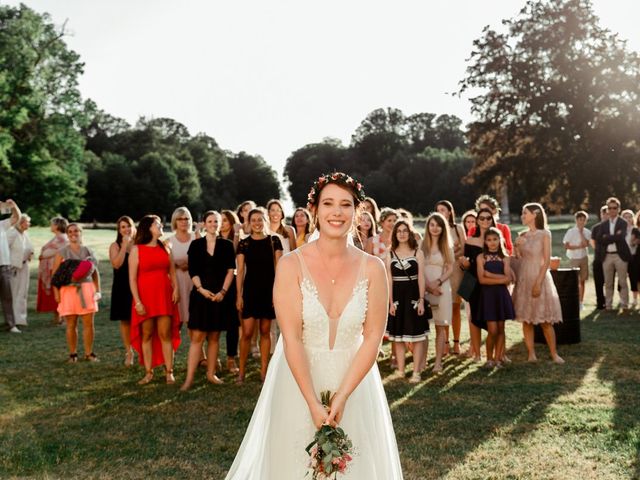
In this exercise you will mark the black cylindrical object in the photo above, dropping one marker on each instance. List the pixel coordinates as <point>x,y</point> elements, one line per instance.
<point>566,281</point>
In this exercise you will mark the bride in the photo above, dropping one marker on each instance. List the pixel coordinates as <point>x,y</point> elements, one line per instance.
<point>332,324</point>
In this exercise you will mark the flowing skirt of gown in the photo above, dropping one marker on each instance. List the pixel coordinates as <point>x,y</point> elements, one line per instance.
<point>280,429</point>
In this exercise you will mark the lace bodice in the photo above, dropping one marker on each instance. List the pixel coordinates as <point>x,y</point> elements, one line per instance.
<point>316,322</point>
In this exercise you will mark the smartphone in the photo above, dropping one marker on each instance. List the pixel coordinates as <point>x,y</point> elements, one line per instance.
<point>5,209</point>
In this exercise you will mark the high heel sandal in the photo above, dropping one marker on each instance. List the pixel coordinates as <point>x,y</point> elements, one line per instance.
<point>73,358</point>
<point>231,365</point>
<point>170,379</point>
<point>147,378</point>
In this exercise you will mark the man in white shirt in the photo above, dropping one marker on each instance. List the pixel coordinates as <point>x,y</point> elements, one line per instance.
<point>6,269</point>
<point>576,242</point>
<point>21,250</point>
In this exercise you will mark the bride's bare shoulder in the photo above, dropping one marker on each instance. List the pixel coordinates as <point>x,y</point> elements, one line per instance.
<point>288,266</point>
<point>374,266</point>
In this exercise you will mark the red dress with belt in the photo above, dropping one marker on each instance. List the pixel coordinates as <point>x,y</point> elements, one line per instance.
<point>155,290</point>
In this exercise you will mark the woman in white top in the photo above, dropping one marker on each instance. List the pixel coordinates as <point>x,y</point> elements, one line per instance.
<point>438,260</point>
<point>379,244</point>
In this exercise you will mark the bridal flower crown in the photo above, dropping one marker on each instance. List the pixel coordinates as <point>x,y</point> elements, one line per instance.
<point>338,178</point>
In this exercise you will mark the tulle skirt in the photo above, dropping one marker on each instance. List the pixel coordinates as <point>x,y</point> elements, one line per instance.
<point>280,429</point>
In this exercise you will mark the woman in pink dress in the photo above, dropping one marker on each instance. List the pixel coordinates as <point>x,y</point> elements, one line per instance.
<point>535,296</point>
<point>46,301</point>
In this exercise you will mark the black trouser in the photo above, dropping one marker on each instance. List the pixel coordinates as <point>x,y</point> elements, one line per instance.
<point>6,273</point>
<point>598,282</point>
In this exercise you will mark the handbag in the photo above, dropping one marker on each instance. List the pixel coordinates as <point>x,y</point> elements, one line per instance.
<point>467,285</point>
<point>427,307</point>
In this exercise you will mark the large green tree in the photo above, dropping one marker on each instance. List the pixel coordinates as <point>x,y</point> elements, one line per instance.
<point>558,113</point>
<point>42,157</point>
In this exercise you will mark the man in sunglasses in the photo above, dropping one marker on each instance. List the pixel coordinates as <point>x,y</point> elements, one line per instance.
<point>611,237</point>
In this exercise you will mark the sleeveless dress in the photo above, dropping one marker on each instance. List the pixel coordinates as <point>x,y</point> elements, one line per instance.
<point>281,427</point>
<point>472,252</point>
<point>434,265</point>
<point>78,298</point>
<point>545,308</point>
<point>257,290</point>
<point>406,325</point>
<point>154,288</point>
<point>121,298</point>
<point>495,301</point>
<point>179,252</point>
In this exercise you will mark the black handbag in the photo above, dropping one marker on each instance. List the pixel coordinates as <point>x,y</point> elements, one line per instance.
<point>467,285</point>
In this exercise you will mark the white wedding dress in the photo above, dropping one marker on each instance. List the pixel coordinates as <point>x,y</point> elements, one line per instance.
<point>280,429</point>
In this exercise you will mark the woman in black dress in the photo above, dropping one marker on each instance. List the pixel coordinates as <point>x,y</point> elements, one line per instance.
<point>473,247</point>
<point>407,322</point>
<point>121,299</point>
<point>211,265</point>
<point>257,257</point>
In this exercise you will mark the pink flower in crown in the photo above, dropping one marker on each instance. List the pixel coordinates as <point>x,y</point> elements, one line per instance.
<point>359,186</point>
<point>322,180</point>
<point>335,176</point>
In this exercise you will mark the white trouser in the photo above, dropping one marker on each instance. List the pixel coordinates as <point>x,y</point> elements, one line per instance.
<point>19,293</point>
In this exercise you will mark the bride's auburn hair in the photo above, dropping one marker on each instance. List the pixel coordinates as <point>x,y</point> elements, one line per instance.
<point>342,180</point>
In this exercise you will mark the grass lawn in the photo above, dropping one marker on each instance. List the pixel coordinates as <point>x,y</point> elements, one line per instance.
<point>529,421</point>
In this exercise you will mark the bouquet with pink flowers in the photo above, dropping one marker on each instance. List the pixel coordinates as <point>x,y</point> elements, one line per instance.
<point>331,449</point>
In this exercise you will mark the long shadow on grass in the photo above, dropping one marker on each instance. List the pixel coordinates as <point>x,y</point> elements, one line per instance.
<point>447,417</point>
<point>93,420</point>
<point>621,368</point>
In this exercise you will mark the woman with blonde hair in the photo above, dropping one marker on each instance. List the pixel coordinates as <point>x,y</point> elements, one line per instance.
<point>379,244</point>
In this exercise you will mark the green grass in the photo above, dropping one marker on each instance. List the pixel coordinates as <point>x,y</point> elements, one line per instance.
<point>538,421</point>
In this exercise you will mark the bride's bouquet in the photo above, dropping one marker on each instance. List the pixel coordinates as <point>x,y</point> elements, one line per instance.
<point>330,450</point>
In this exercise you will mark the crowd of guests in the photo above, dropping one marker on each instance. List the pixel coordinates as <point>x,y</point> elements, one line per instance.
<point>217,275</point>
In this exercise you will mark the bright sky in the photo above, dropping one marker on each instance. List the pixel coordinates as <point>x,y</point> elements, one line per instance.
<point>268,77</point>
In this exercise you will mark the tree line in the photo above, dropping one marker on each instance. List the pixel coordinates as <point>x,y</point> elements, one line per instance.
<point>555,99</point>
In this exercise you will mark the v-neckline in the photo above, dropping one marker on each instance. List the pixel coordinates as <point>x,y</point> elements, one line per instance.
<point>338,319</point>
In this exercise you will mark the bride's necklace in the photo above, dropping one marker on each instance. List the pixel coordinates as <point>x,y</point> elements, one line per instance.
<point>331,277</point>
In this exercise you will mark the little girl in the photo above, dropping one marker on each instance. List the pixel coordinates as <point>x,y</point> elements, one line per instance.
<point>494,274</point>
<point>439,262</point>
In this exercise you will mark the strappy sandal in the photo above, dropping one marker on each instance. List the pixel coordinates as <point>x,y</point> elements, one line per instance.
<point>73,358</point>
<point>147,378</point>
<point>456,346</point>
<point>170,379</point>
<point>92,357</point>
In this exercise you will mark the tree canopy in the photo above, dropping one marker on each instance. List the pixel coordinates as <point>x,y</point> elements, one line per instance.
<point>558,113</point>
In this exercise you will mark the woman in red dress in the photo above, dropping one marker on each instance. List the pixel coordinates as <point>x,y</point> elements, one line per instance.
<point>155,321</point>
<point>46,301</point>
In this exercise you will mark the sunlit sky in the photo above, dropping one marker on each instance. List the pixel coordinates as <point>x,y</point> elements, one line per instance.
<point>268,77</point>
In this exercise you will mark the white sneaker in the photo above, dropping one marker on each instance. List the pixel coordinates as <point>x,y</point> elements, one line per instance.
<point>14,330</point>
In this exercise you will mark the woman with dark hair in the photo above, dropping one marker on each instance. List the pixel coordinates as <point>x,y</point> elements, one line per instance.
<point>330,345</point>
<point>46,300</point>
<point>535,296</point>
<point>211,265</point>
<point>242,211</point>
<point>490,203</point>
<point>277,226</point>
<point>370,205</point>
<point>256,260</point>
<point>365,230</point>
<point>79,299</point>
<point>468,220</point>
<point>302,225</point>
<point>407,322</point>
<point>473,247</point>
<point>155,318</point>
<point>458,237</point>
<point>121,298</point>
<point>229,220</point>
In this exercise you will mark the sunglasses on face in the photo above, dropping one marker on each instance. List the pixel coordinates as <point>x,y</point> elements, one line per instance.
<point>482,218</point>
